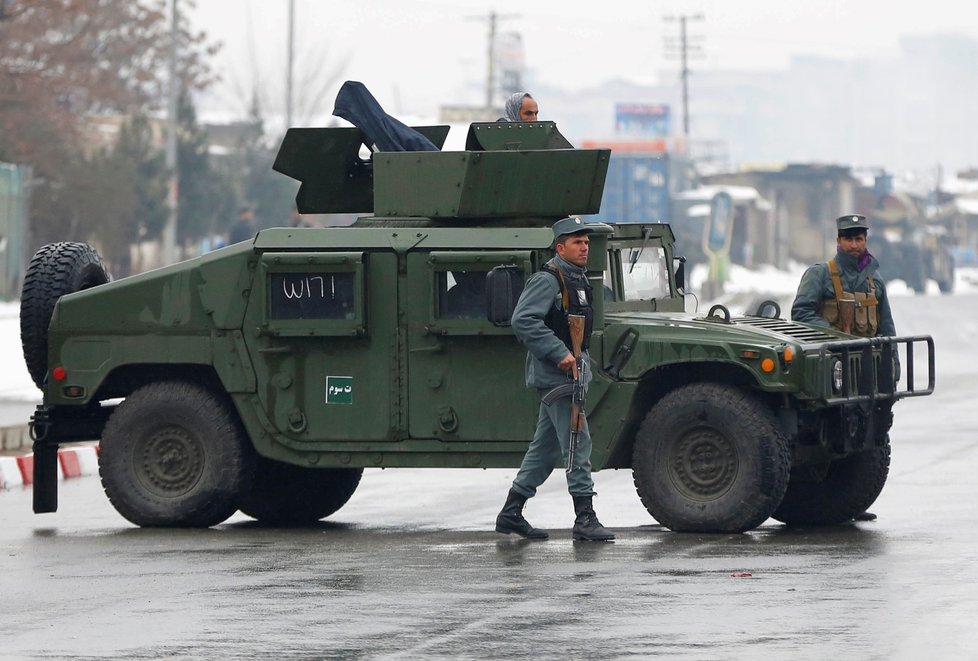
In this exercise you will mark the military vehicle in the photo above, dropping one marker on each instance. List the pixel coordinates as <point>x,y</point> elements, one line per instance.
<point>915,256</point>
<point>267,375</point>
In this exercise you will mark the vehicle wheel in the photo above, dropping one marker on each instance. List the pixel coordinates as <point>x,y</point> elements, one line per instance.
<point>283,494</point>
<point>710,458</point>
<point>837,492</point>
<point>55,270</point>
<point>174,454</point>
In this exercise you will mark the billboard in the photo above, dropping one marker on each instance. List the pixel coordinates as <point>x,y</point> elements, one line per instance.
<point>648,119</point>
<point>718,230</point>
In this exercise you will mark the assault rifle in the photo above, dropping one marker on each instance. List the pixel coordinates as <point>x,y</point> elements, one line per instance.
<point>576,323</point>
<point>575,389</point>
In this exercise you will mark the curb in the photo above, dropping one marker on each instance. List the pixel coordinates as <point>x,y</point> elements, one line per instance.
<point>72,462</point>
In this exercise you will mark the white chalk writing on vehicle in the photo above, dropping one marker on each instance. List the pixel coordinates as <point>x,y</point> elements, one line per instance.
<point>302,287</point>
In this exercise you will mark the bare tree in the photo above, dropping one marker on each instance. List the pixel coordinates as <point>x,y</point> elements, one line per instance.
<point>64,61</point>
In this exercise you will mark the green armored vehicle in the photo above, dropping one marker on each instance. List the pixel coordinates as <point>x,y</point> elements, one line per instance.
<point>265,376</point>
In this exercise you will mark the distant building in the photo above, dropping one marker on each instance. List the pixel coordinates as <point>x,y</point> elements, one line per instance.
<point>638,183</point>
<point>750,231</point>
<point>805,200</point>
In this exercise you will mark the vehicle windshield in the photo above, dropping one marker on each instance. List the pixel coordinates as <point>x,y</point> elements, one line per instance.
<point>644,273</point>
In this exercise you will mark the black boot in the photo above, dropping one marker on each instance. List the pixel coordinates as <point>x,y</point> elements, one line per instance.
<point>586,526</point>
<point>511,519</point>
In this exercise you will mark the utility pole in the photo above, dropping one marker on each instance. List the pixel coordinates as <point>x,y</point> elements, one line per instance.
<point>288,74</point>
<point>684,49</point>
<point>493,19</point>
<point>173,195</point>
<point>491,58</point>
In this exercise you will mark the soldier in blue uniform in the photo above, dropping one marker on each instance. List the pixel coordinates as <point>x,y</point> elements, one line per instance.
<point>849,276</point>
<point>848,279</point>
<point>540,324</point>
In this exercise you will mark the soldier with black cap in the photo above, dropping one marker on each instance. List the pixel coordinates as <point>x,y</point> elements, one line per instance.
<point>540,322</point>
<point>846,292</point>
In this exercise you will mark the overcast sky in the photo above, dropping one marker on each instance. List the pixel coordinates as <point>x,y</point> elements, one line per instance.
<point>416,55</point>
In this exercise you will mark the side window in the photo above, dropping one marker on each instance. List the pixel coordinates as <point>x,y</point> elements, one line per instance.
<point>458,304</point>
<point>645,274</point>
<point>609,281</point>
<point>314,294</point>
<point>636,272</point>
<point>320,295</point>
<point>461,294</point>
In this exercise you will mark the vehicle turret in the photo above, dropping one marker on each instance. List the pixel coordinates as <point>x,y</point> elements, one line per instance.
<point>525,173</point>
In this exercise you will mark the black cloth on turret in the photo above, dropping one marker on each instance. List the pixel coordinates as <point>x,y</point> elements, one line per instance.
<point>356,104</point>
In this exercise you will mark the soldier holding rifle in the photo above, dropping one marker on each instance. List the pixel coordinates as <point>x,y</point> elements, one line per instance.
<point>557,366</point>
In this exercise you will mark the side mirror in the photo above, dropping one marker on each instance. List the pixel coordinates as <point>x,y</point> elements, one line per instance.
<point>504,284</point>
<point>681,274</point>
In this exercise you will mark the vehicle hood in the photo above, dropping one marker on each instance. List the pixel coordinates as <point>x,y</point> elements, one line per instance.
<point>700,328</point>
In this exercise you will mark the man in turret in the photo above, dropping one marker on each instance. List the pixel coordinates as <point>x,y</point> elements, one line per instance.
<point>540,321</point>
<point>846,292</point>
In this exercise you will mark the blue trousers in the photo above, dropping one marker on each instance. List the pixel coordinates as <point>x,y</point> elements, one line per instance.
<point>549,446</point>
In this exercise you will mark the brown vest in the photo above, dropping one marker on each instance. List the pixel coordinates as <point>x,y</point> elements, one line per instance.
<point>862,317</point>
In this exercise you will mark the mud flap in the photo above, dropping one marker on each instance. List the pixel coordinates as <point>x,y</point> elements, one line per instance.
<point>45,478</point>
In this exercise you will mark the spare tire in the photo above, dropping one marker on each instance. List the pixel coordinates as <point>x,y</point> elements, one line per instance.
<point>55,270</point>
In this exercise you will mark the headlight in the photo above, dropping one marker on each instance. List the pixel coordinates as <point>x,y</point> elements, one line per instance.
<point>837,377</point>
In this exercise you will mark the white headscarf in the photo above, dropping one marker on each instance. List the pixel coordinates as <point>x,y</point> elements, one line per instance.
<point>513,105</point>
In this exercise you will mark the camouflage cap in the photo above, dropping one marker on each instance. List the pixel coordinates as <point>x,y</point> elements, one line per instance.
<point>852,221</point>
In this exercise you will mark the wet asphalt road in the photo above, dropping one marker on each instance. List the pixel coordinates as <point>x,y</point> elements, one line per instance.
<point>410,568</point>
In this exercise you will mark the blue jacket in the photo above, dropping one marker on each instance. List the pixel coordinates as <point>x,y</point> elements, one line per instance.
<point>544,348</point>
<point>816,286</point>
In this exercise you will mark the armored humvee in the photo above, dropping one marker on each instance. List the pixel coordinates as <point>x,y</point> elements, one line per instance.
<point>265,376</point>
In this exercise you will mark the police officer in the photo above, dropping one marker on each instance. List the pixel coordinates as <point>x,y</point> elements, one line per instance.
<point>540,324</point>
<point>827,288</point>
<point>847,280</point>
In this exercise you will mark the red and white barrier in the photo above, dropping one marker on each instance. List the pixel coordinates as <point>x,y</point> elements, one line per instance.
<point>78,462</point>
<point>72,462</point>
<point>10,475</point>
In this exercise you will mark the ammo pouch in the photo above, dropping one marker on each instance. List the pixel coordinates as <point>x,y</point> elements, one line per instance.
<point>855,313</point>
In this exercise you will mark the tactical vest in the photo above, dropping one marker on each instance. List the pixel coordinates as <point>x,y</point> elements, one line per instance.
<point>865,321</point>
<point>576,297</point>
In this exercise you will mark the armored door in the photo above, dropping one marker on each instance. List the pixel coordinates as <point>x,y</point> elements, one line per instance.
<point>465,376</point>
<point>324,346</point>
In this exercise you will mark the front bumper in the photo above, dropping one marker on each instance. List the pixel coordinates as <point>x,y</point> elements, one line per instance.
<point>870,369</point>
